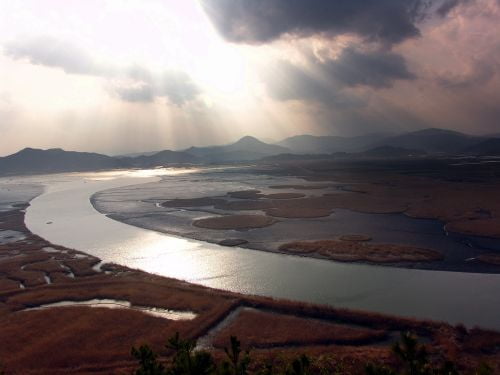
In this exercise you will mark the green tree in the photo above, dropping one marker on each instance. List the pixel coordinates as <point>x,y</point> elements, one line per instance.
<point>413,356</point>
<point>238,361</point>
<point>187,361</point>
<point>148,363</point>
<point>300,366</point>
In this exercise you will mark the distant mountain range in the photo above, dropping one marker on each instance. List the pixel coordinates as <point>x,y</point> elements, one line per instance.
<point>246,149</point>
<point>411,144</point>
<point>310,144</point>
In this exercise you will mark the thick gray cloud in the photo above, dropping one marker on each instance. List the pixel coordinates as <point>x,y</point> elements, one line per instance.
<point>145,85</point>
<point>377,69</point>
<point>324,81</point>
<point>261,21</point>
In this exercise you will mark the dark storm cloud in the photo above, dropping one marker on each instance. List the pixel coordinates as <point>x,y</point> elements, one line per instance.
<point>145,85</point>
<point>377,69</point>
<point>261,21</point>
<point>324,81</point>
<point>54,53</point>
<point>446,7</point>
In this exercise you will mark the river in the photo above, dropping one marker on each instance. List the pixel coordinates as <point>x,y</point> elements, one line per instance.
<point>64,215</point>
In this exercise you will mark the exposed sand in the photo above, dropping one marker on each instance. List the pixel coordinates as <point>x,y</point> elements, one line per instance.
<point>354,251</point>
<point>194,202</point>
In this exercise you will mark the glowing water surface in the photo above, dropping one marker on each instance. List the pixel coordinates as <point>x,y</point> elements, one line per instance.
<point>473,299</point>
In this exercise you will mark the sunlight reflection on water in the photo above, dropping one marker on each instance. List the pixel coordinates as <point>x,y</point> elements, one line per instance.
<point>452,296</point>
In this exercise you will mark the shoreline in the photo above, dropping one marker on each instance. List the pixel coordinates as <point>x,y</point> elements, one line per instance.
<point>212,306</point>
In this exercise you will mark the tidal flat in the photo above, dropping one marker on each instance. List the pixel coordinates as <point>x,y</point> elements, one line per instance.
<point>441,217</point>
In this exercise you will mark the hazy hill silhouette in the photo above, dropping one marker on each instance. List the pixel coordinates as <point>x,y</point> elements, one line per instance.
<point>249,148</point>
<point>30,160</point>
<point>432,140</point>
<point>308,144</point>
<point>245,149</point>
<point>487,147</point>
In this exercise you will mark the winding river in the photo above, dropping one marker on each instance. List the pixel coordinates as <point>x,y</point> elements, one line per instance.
<point>64,215</point>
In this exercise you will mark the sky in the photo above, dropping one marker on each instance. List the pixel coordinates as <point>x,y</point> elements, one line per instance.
<point>123,76</point>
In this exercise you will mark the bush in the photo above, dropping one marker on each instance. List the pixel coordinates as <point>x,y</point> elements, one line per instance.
<point>412,357</point>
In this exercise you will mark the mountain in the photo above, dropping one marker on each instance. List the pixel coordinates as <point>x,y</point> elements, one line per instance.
<point>136,154</point>
<point>490,147</point>
<point>306,144</point>
<point>30,160</point>
<point>432,140</point>
<point>246,149</point>
<point>391,152</point>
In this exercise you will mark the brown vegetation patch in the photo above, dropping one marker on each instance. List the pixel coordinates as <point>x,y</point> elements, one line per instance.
<point>193,202</point>
<point>298,213</point>
<point>490,259</point>
<point>234,222</point>
<point>481,341</point>
<point>47,266</point>
<point>8,284</point>
<point>267,329</point>
<point>350,251</point>
<point>83,266</point>
<point>478,227</point>
<point>78,339</point>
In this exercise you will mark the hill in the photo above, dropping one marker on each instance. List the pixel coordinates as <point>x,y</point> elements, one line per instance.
<point>391,152</point>
<point>489,147</point>
<point>310,144</point>
<point>30,160</point>
<point>432,140</point>
<point>245,149</point>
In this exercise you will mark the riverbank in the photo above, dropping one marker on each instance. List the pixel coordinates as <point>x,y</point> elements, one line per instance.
<point>98,339</point>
